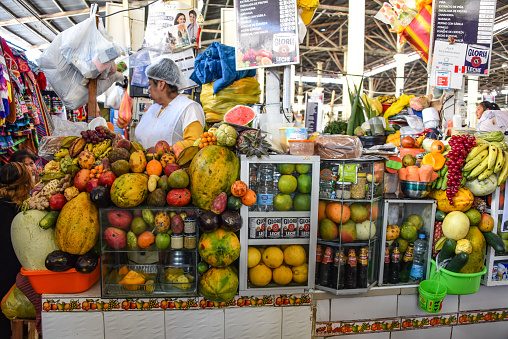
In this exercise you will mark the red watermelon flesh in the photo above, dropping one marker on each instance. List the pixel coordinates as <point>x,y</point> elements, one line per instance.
<point>240,115</point>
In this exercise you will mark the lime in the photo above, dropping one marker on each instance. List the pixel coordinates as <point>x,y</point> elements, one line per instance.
<point>303,168</point>
<point>286,168</point>
<point>202,267</point>
<point>282,202</point>
<point>287,184</point>
<point>302,202</point>
<point>304,183</point>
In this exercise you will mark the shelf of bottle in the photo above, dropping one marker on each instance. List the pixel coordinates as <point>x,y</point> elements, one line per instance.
<point>154,250</point>
<point>347,244</point>
<point>500,257</point>
<point>279,214</point>
<point>376,199</point>
<point>274,242</point>
<point>344,291</point>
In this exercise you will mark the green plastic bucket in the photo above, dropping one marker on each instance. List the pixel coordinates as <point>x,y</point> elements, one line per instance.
<point>457,283</point>
<point>431,296</point>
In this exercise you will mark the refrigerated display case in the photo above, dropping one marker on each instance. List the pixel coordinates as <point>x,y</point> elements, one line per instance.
<point>403,220</point>
<point>276,223</point>
<point>134,263</point>
<point>350,194</point>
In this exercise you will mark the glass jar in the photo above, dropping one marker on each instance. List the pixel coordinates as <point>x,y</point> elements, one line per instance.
<point>177,241</point>
<point>326,183</point>
<point>343,190</point>
<point>358,190</point>
<point>189,241</point>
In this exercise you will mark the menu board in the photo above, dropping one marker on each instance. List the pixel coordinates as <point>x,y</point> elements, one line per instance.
<point>267,33</point>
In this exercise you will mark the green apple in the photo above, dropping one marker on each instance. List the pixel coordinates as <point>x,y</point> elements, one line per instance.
<point>162,241</point>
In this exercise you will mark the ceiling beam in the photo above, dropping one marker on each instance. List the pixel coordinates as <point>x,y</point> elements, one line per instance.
<point>47,17</point>
<point>24,24</point>
<point>30,8</point>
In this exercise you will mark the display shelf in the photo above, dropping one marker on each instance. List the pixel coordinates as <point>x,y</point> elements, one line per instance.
<point>347,201</point>
<point>108,250</point>
<point>268,242</point>
<point>500,257</point>
<point>347,244</point>
<point>279,214</point>
<point>345,291</point>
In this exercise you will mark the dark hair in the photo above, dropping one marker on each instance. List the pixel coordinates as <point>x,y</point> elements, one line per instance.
<point>487,105</point>
<point>22,154</point>
<point>193,12</point>
<point>172,88</point>
<point>15,182</point>
<point>177,16</point>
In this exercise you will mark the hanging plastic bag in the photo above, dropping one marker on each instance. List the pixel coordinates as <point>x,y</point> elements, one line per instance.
<point>241,92</point>
<point>125,111</point>
<point>114,97</point>
<point>15,305</point>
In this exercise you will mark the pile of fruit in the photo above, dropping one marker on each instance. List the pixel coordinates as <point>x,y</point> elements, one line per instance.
<point>347,222</point>
<point>406,233</point>
<point>278,264</point>
<point>294,187</point>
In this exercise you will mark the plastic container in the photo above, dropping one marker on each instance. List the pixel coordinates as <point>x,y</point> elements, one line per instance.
<point>457,283</point>
<point>71,281</point>
<point>291,133</point>
<point>415,189</point>
<point>301,147</point>
<point>431,296</point>
<point>372,140</point>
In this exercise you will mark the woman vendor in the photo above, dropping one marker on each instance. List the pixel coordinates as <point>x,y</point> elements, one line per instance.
<point>491,118</point>
<point>173,117</point>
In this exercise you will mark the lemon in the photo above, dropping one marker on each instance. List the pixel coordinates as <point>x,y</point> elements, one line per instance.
<point>300,274</point>
<point>253,257</point>
<point>295,255</point>
<point>273,257</point>
<point>260,275</point>
<point>282,275</point>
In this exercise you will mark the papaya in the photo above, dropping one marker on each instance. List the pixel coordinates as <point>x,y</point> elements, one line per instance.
<point>476,259</point>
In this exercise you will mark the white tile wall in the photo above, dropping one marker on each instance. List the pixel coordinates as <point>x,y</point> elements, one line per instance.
<point>486,298</point>
<point>82,325</point>
<point>497,330</point>
<point>408,305</point>
<point>134,325</point>
<point>253,323</point>
<point>363,308</point>
<point>195,324</point>
<point>323,310</point>
<point>296,322</point>
<point>436,333</point>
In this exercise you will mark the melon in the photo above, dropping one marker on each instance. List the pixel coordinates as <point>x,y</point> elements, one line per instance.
<point>219,248</point>
<point>219,284</point>
<point>240,115</point>
<point>455,225</point>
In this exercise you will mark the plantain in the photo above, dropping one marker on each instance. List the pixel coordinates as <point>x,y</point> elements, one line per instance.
<point>77,147</point>
<point>501,179</point>
<point>499,161</point>
<point>479,169</point>
<point>485,174</point>
<point>476,160</point>
<point>475,151</point>
<point>67,141</point>
<point>493,150</point>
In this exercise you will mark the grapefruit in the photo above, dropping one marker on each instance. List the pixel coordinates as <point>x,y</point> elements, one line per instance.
<point>287,184</point>
<point>304,183</point>
<point>260,275</point>
<point>303,168</point>
<point>253,257</point>
<point>295,255</point>
<point>302,202</point>
<point>300,274</point>
<point>337,212</point>
<point>282,202</point>
<point>273,257</point>
<point>286,168</point>
<point>328,230</point>
<point>282,275</point>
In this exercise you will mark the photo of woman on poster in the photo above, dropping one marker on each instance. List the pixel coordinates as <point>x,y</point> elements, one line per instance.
<point>182,34</point>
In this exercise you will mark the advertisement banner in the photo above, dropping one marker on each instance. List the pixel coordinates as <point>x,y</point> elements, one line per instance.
<point>267,33</point>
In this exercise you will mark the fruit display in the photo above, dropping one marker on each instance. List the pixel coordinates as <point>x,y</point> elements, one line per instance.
<point>279,265</point>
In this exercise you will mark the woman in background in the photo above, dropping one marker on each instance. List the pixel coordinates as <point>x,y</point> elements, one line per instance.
<point>29,159</point>
<point>15,185</point>
<point>491,118</point>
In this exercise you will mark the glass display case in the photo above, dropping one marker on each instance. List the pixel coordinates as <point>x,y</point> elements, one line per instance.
<point>350,216</point>
<point>148,252</point>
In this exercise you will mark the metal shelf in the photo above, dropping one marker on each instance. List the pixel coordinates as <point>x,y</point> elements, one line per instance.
<point>500,257</point>
<point>354,200</point>
<point>347,244</point>
<point>345,291</point>
<point>274,242</point>
<point>279,214</point>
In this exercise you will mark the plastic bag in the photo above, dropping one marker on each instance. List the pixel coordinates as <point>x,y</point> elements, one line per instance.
<point>241,92</point>
<point>16,305</point>
<point>114,97</point>
<point>125,111</point>
<point>49,145</point>
<point>339,146</point>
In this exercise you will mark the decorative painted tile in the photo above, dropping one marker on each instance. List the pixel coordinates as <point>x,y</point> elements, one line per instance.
<point>381,325</point>
<point>428,321</point>
<point>327,328</point>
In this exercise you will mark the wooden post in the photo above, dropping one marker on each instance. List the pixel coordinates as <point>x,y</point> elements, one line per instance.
<point>92,93</point>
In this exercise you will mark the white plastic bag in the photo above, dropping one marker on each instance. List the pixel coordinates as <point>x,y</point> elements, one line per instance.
<point>114,97</point>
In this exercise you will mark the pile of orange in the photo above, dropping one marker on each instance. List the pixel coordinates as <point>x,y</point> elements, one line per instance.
<point>207,139</point>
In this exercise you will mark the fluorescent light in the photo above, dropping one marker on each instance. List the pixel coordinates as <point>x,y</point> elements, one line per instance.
<point>324,80</point>
<point>383,68</point>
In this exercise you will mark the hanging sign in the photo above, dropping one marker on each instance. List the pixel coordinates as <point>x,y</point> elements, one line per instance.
<point>267,33</point>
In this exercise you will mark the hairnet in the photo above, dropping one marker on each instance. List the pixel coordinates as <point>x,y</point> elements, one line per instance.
<point>166,70</point>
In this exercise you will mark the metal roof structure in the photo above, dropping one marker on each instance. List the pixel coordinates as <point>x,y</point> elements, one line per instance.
<point>35,23</point>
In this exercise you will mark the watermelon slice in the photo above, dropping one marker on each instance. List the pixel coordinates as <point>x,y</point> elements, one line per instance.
<point>240,115</point>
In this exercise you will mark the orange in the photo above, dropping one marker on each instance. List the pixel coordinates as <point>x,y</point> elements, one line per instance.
<point>337,212</point>
<point>146,239</point>
<point>321,210</point>
<point>154,167</point>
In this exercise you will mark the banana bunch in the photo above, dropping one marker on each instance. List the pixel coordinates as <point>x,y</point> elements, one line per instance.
<point>485,159</point>
<point>441,183</point>
<point>98,150</point>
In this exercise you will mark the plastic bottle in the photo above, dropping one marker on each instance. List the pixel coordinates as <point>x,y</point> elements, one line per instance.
<point>265,188</point>
<point>253,181</point>
<point>419,259</point>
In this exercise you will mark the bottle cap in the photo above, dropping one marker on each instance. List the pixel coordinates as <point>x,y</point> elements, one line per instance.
<point>421,236</point>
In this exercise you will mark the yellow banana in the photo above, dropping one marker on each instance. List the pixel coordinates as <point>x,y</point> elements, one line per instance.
<point>477,160</point>
<point>479,169</point>
<point>493,150</point>
<point>485,174</point>
<point>476,150</point>
<point>501,179</point>
<point>499,161</point>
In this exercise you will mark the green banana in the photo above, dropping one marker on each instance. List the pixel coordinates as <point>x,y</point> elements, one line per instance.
<point>475,151</point>
<point>501,179</point>
<point>476,160</point>
<point>479,169</point>
<point>492,136</point>
<point>493,150</point>
<point>499,161</point>
<point>485,174</point>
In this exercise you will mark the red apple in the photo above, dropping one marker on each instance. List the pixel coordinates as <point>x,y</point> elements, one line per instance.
<point>170,168</point>
<point>57,201</point>
<point>115,238</point>
<point>162,147</point>
<point>107,178</point>
<point>120,219</point>
<point>91,184</point>
<point>81,179</point>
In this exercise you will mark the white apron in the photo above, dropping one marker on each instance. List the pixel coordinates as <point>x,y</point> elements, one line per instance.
<point>166,126</point>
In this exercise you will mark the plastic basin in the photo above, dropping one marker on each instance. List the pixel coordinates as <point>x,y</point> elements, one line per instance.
<point>457,283</point>
<point>70,281</point>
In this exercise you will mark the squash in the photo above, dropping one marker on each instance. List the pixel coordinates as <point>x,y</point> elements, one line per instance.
<point>77,227</point>
<point>31,243</point>
<point>462,201</point>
